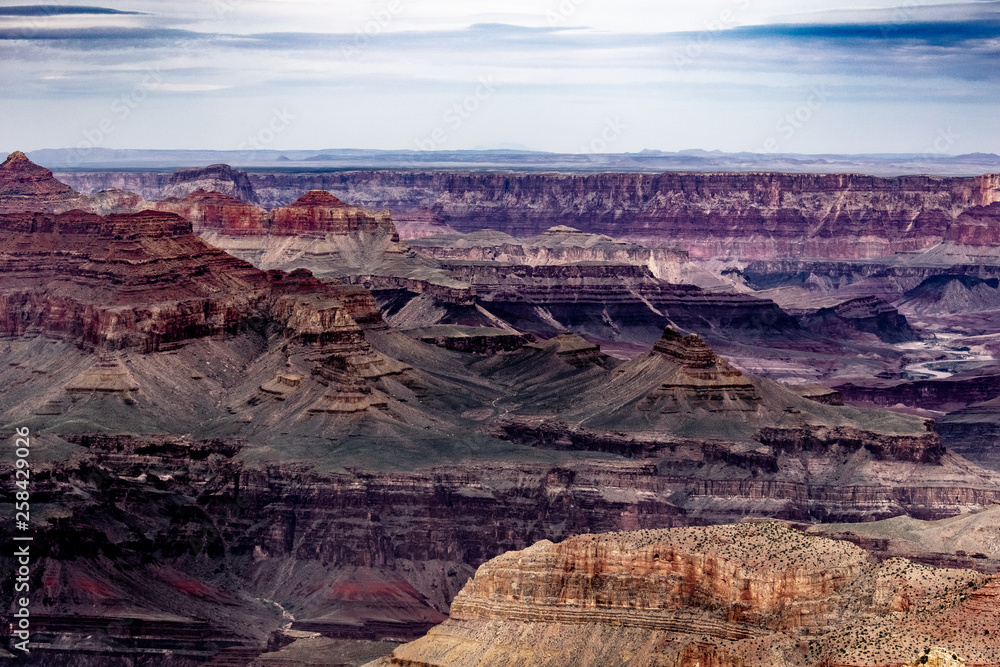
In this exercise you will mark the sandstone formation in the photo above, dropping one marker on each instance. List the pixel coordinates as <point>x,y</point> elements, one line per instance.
<point>976,227</point>
<point>217,211</point>
<point>139,280</point>
<point>974,432</point>
<point>962,389</point>
<point>258,447</point>
<point>557,245</point>
<point>749,595</point>
<point>319,213</point>
<point>219,178</point>
<point>25,186</point>
<point>477,340</point>
<point>753,216</point>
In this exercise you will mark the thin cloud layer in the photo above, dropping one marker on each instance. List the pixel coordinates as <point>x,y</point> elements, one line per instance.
<point>715,75</point>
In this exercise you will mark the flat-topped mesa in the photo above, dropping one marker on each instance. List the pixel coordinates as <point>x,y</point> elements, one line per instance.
<point>318,213</point>
<point>26,186</point>
<point>574,350</point>
<point>557,245</point>
<point>214,178</point>
<point>734,573</point>
<point>215,211</point>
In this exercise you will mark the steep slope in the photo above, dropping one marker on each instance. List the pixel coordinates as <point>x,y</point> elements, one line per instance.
<point>140,280</point>
<point>214,178</point>
<point>25,186</point>
<point>681,388</point>
<point>950,294</point>
<point>856,317</point>
<point>747,595</point>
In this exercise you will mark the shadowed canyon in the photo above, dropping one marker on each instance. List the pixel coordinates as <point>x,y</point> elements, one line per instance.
<point>430,418</point>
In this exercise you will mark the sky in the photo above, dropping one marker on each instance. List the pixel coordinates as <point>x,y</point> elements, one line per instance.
<point>572,76</point>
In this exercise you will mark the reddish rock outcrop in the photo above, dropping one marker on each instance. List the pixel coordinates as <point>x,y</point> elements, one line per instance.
<point>751,595</point>
<point>218,212</point>
<point>25,186</point>
<point>318,213</point>
<point>979,226</point>
<point>747,215</point>
<point>144,280</point>
<point>140,280</point>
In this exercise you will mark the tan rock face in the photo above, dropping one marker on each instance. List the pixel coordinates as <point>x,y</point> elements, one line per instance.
<point>744,595</point>
<point>938,657</point>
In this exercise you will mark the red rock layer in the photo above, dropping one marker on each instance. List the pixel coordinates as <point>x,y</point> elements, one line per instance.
<point>319,212</point>
<point>748,215</point>
<point>25,186</point>
<point>145,280</point>
<point>979,226</point>
<point>216,211</point>
<point>751,215</point>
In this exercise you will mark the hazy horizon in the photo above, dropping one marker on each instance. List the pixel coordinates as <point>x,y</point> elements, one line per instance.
<point>563,76</point>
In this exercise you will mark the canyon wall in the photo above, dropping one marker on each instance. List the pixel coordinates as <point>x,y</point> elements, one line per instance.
<point>750,595</point>
<point>751,216</point>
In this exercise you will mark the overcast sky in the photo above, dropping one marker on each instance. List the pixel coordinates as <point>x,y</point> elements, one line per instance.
<point>840,76</point>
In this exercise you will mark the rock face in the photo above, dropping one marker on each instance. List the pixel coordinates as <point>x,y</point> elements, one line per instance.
<point>747,595</point>
<point>145,281</point>
<point>319,213</point>
<point>557,245</point>
<point>139,280</point>
<point>868,315</point>
<point>682,389</point>
<point>752,216</point>
<point>948,394</point>
<point>977,227</point>
<point>607,302</point>
<point>952,293</point>
<point>218,212</point>
<point>25,186</point>
<point>214,178</point>
<point>974,432</point>
<point>703,379</point>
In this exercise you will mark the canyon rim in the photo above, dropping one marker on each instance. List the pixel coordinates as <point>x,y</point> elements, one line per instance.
<point>599,334</point>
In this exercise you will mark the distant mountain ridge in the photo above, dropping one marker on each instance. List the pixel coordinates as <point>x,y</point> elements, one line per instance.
<point>646,161</point>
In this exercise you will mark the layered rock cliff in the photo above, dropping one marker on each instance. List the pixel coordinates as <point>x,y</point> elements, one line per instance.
<point>215,211</point>
<point>141,281</point>
<point>747,595</point>
<point>752,216</point>
<point>25,186</point>
<point>557,245</point>
<point>319,213</point>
